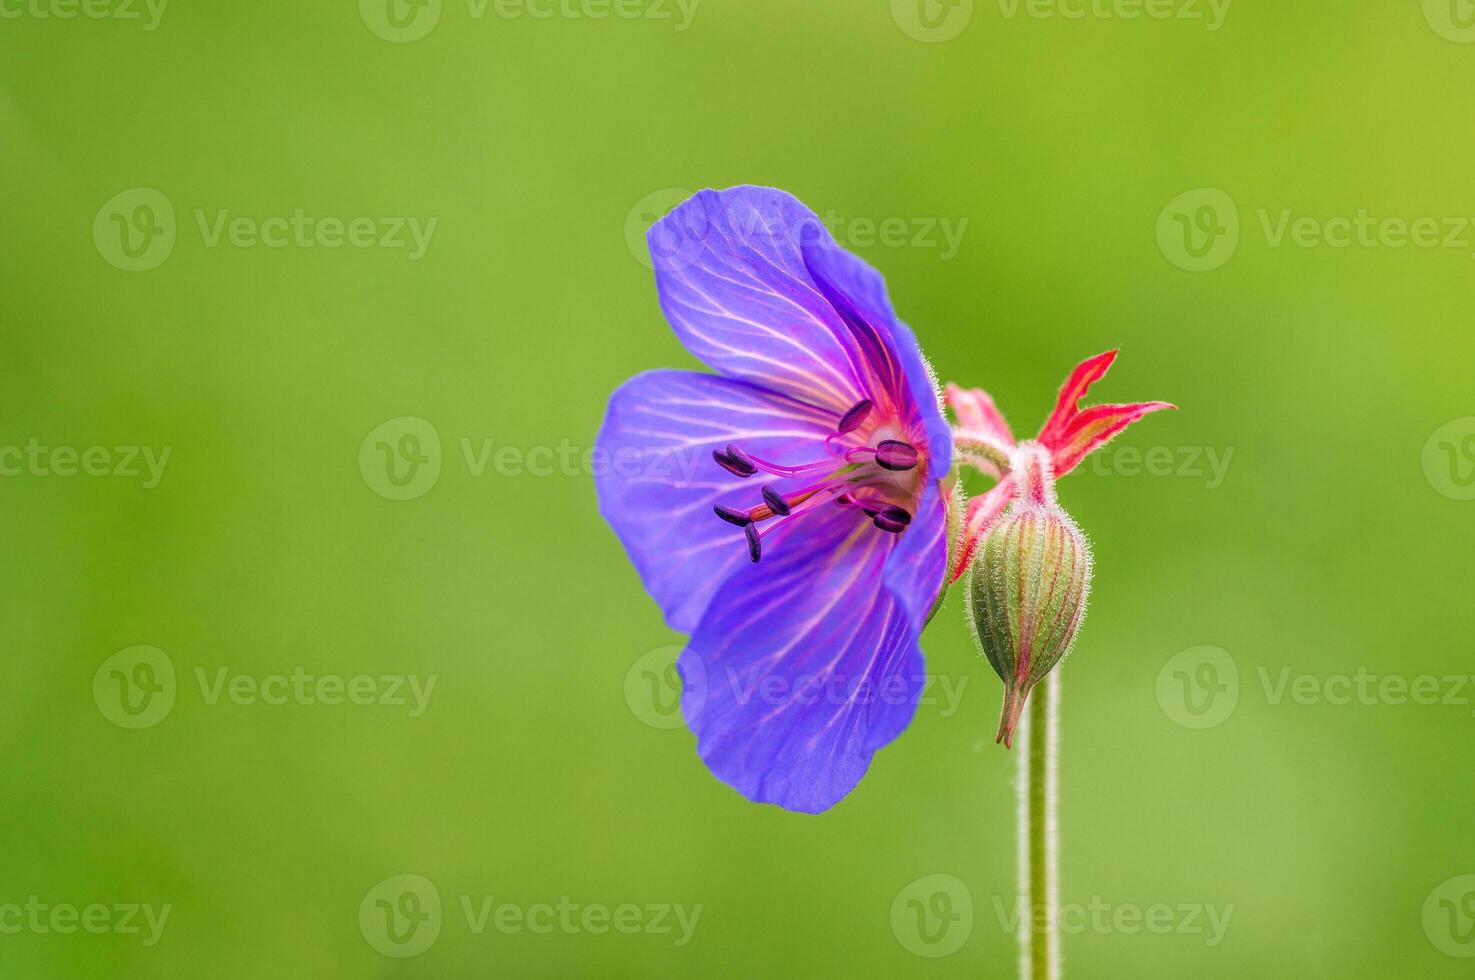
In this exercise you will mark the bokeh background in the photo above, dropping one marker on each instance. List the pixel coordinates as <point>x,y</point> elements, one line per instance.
<point>1109,180</point>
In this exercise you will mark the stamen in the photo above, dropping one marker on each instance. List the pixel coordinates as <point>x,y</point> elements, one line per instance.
<point>733,516</point>
<point>819,465</point>
<point>851,500</point>
<point>734,462</point>
<point>893,519</point>
<point>897,456</point>
<point>852,419</point>
<point>852,484</point>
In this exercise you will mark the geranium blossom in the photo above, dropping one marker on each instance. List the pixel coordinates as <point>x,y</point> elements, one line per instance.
<point>789,510</point>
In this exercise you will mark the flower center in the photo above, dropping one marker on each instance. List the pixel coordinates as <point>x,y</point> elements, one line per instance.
<point>856,476</point>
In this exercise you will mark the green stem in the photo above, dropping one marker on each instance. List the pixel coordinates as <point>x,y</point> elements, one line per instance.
<point>974,447</point>
<point>1039,873</point>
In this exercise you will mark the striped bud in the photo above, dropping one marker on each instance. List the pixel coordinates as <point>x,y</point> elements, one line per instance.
<point>1027,592</point>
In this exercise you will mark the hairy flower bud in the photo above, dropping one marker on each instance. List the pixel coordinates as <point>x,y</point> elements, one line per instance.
<point>1027,587</point>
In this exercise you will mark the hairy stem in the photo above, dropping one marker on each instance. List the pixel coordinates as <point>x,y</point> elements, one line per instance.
<point>1039,872</point>
<point>983,452</point>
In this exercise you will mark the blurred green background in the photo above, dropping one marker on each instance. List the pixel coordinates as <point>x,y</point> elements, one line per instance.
<point>1334,381</point>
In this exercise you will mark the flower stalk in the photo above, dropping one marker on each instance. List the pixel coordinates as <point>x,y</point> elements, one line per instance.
<point>1027,572</point>
<point>1039,853</point>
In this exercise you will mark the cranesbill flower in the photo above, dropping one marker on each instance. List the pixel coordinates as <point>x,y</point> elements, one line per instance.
<point>790,511</point>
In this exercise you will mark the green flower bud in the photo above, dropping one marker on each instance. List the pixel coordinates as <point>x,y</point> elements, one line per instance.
<point>1027,590</point>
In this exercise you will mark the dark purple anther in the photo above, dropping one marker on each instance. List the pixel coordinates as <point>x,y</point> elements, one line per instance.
<point>733,516</point>
<point>738,465</point>
<point>755,548</point>
<point>893,519</point>
<point>852,419</point>
<point>892,454</point>
<point>775,503</point>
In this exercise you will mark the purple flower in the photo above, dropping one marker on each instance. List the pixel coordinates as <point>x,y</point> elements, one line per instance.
<point>787,511</point>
